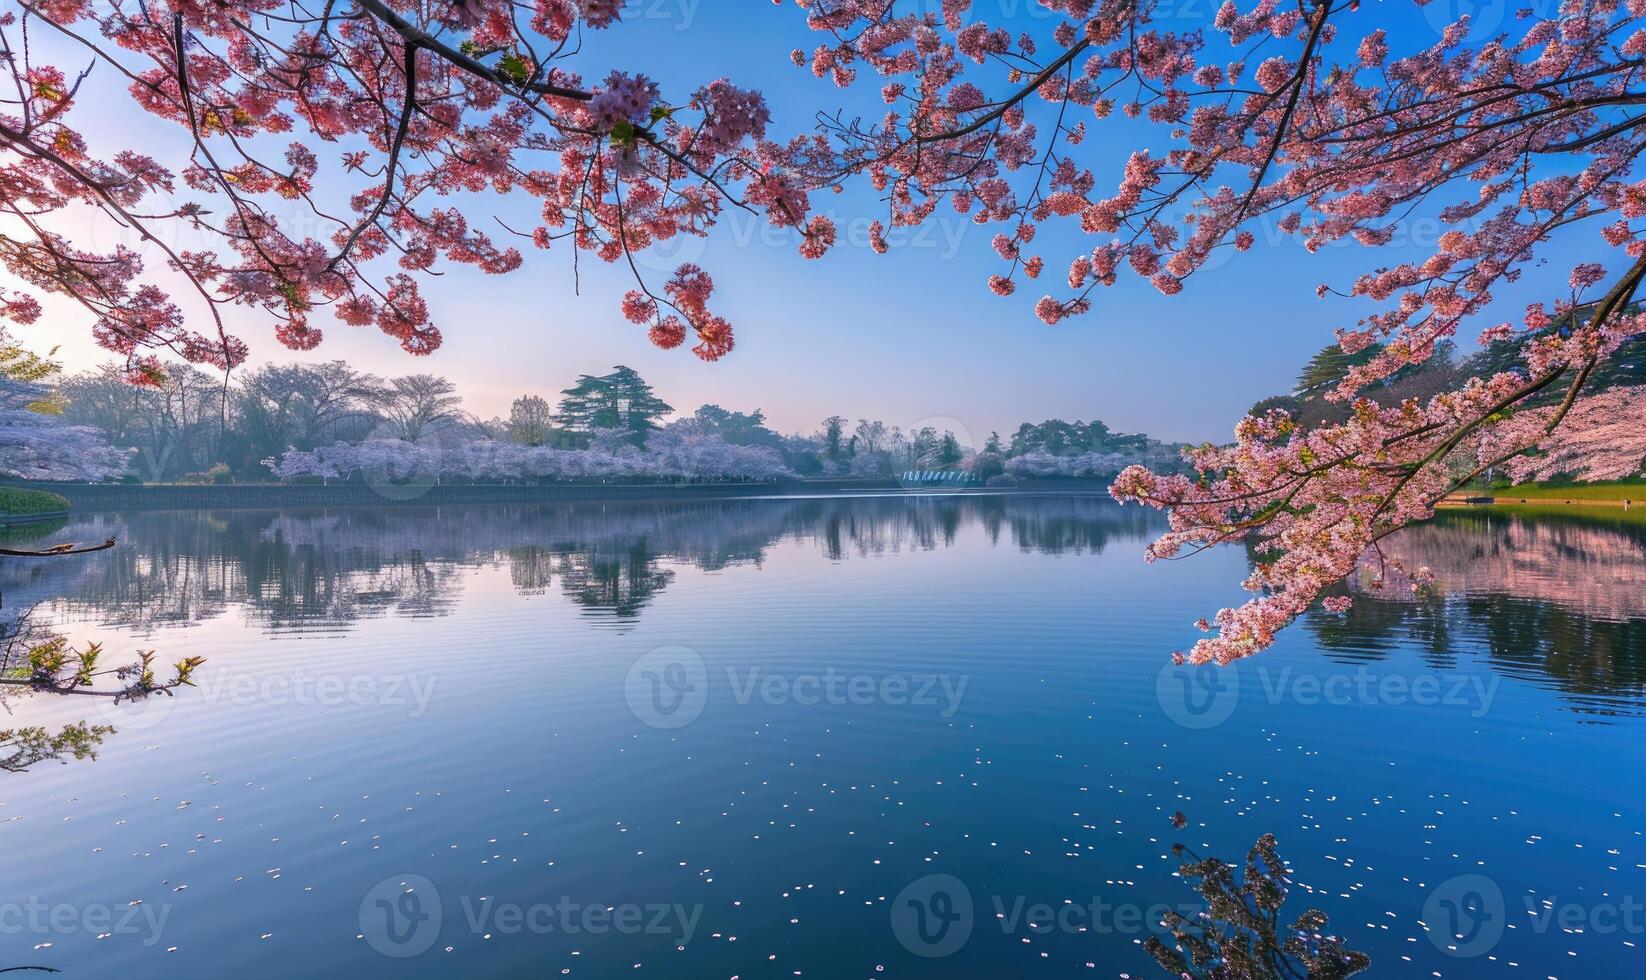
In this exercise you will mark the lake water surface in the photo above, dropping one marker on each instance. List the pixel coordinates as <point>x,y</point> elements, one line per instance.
<point>873,737</point>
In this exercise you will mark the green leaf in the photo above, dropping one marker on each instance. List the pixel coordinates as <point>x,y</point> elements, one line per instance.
<point>293,298</point>
<point>514,68</point>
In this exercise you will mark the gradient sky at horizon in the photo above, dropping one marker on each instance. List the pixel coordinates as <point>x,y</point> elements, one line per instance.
<point>912,337</point>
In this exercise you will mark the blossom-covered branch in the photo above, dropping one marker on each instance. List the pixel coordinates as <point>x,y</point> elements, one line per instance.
<point>442,99</point>
<point>1317,501</point>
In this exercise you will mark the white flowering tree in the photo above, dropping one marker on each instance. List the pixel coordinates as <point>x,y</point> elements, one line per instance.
<point>35,443</point>
<point>668,456</point>
<point>1043,464</point>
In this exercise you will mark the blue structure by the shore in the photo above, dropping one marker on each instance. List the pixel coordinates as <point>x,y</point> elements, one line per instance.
<point>936,478</point>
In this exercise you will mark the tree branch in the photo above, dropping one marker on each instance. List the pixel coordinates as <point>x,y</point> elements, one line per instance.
<point>418,37</point>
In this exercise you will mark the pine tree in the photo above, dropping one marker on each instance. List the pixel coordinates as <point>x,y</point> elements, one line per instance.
<point>619,400</point>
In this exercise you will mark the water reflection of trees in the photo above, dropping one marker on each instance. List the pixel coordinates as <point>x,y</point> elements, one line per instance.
<point>1554,600</point>
<point>619,578</point>
<point>307,570</point>
<point>1559,601</point>
<point>182,568</point>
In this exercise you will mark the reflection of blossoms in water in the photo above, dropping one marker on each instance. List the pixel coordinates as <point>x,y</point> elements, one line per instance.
<point>1556,603</point>
<point>1383,573</point>
<point>1592,569</point>
<point>180,569</point>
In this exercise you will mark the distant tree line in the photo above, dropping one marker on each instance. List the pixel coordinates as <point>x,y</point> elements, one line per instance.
<point>333,421</point>
<point>1055,448</point>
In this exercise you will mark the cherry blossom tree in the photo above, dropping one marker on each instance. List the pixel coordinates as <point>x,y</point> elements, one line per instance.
<point>667,456</point>
<point>35,444</point>
<point>1305,116</point>
<point>1042,464</point>
<point>1321,119</point>
<point>1603,439</point>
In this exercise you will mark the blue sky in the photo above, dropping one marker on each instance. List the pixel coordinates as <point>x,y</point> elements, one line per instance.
<point>907,337</point>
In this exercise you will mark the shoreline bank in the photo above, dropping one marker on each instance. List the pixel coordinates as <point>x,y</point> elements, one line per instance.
<point>1451,503</point>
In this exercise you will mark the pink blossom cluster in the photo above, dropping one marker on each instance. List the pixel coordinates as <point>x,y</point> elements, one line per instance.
<point>624,98</point>
<point>684,303</point>
<point>601,13</point>
<point>730,116</point>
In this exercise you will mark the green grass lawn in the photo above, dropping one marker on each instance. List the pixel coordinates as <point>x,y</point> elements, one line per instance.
<point>1612,490</point>
<point>18,502</point>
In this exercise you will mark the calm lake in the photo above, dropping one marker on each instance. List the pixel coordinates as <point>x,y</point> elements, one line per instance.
<point>849,737</point>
